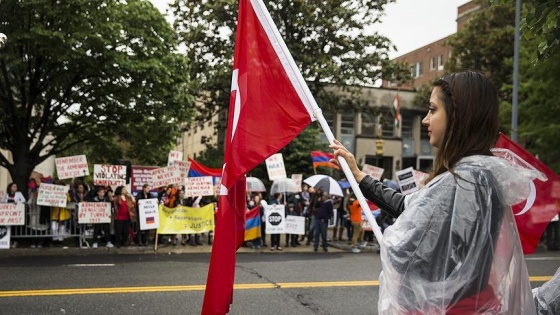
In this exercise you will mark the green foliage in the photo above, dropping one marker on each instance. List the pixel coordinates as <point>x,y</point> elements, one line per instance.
<point>104,74</point>
<point>326,39</point>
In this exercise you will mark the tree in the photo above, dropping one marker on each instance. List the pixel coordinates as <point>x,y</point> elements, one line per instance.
<point>326,38</point>
<point>87,72</point>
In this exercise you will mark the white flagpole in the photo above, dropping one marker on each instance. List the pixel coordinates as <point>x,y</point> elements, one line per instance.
<point>301,86</point>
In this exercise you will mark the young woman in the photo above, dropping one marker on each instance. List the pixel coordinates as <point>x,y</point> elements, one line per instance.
<point>454,248</point>
<point>124,214</point>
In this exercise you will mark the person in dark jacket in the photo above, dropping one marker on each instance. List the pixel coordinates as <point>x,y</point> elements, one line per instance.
<point>324,214</point>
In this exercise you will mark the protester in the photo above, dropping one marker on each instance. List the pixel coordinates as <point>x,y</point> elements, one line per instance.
<point>60,218</point>
<point>124,214</point>
<point>454,248</point>
<point>142,235</point>
<point>356,220</point>
<point>278,199</point>
<point>324,214</point>
<point>13,195</point>
<point>99,228</point>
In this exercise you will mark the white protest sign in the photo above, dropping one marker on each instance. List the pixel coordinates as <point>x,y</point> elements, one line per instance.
<point>4,237</point>
<point>183,167</point>
<point>275,167</point>
<point>406,180</point>
<point>94,212</point>
<point>420,177</point>
<point>217,185</point>
<point>52,195</point>
<point>174,156</point>
<point>109,175</point>
<point>71,166</point>
<point>295,225</point>
<point>12,214</point>
<point>199,186</point>
<point>148,214</point>
<point>275,219</point>
<point>373,171</point>
<point>298,179</point>
<point>165,176</point>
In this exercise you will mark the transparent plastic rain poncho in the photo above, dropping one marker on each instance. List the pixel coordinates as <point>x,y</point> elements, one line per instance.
<point>455,248</point>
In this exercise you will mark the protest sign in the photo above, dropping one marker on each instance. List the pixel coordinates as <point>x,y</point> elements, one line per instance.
<point>373,171</point>
<point>174,156</point>
<point>199,186</point>
<point>52,195</point>
<point>94,212</point>
<point>4,237</point>
<point>71,166</point>
<point>141,175</point>
<point>109,175</point>
<point>12,214</point>
<point>148,212</point>
<point>295,225</point>
<point>183,167</point>
<point>407,181</point>
<point>165,176</point>
<point>275,167</point>
<point>186,220</point>
<point>275,219</point>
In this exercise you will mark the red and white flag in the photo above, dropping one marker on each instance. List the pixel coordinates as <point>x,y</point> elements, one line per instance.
<point>270,104</point>
<point>533,215</point>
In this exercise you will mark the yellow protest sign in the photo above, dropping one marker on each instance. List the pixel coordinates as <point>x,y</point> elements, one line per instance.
<point>186,220</point>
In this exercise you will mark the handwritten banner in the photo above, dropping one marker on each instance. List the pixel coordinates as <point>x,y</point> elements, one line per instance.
<point>94,212</point>
<point>295,225</point>
<point>109,175</point>
<point>165,176</point>
<point>71,166</point>
<point>174,156</point>
<point>373,171</point>
<point>186,220</point>
<point>199,186</point>
<point>183,167</point>
<point>52,195</point>
<point>275,167</point>
<point>12,214</point>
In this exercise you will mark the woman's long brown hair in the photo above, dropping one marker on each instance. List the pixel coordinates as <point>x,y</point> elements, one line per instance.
<point>471,104</point>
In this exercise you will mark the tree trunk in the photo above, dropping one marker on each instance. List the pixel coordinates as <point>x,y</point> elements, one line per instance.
<point>21,169</point>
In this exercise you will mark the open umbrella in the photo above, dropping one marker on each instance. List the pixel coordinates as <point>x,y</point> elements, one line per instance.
<point>255,185</point>
<point>284,185</point>
<point>325,183</point>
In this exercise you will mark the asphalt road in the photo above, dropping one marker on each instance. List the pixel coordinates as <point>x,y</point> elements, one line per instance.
<point>280,283</point>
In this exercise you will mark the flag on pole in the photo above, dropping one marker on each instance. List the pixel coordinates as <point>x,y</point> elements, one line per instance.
<point>397,110</point>
<point>198,170</point>
<point>253,223</point>
<point>533,215</point>
<point>266,89</point>
<point>320,158</point>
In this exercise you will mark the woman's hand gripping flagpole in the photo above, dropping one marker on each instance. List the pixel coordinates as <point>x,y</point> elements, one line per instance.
<point>351,179</point>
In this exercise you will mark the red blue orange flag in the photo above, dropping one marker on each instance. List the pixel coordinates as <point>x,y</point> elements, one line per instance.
<point>319,158</point>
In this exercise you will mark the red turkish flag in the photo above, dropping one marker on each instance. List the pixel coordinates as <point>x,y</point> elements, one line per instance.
<point>533,215</point>
<point>270,105</point>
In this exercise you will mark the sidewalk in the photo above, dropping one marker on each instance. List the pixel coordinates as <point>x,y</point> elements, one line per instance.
<point>70,248</point>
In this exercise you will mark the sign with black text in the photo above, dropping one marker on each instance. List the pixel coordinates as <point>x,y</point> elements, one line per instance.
<point>275,219</point>
<point>94,212</point>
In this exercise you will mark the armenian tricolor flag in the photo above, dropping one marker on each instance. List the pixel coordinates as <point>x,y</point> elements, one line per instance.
<point>320,158</point>
<point>198,170</point>
<point>253,224</point>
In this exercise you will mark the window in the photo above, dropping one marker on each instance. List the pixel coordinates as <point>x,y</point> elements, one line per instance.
<point>440,62</point>
<point>416,69</point>
<point>368,124</point>
<point>406,130</point>
<point>347,123</point>
<point>432,63</point>
<point>329,117</point>
<point>387,122</point>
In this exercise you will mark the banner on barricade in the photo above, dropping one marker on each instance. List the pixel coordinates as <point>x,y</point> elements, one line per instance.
<point>148,212</point>
<point>174,156</point>
<point>186,220</point>
<point>275,167</point>
<point>109,175</point>
<point>275,219</point>
<point>12,214</point>
<point>199,186</point>
<point>71,166</point>
<point>166,176</point>
<point>4,237</point>
<point>295,225</point>
<point>52,195</point>
<point>373,171</point>
<point>94,212</point>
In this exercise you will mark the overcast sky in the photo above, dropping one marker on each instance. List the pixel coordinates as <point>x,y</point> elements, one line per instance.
<point>409,24</point>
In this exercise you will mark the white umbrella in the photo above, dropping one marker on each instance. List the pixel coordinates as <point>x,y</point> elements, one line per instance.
<point>255,185</point>
<point>325,183</point>
<point>284,185</point>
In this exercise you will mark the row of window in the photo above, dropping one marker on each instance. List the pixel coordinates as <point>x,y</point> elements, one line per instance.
<point>417,69</point>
